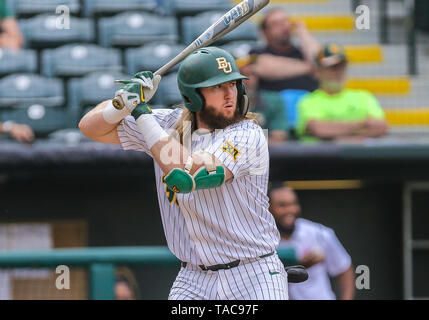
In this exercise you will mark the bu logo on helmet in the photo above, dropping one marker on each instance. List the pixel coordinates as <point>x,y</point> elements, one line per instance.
<point>224,65</point>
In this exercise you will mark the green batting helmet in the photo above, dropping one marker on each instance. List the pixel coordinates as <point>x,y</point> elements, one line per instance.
<point>209,67</point>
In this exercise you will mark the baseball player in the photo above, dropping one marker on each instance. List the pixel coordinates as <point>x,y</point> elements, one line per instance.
<point>211,167</point>
<point>317,245</point>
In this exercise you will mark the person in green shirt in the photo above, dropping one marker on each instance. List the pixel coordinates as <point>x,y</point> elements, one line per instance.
<point>268,105</point>
<point>10,35</point>
<point>334,112</point>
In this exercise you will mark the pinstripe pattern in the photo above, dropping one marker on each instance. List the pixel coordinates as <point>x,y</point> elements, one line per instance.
<point>249,281</point>
<point>223,224</point>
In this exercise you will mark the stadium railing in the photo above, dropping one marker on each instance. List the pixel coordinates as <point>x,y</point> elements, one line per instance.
<point>100,261</point>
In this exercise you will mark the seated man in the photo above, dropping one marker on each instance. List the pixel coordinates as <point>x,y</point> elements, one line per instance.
<point>281,65</point>
<point>317,247</point>
<point>10,35</point>
<point>334,112</point>
<point>268,105</point>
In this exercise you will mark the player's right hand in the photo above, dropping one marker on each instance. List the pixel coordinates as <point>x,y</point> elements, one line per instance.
<point>311,258</point>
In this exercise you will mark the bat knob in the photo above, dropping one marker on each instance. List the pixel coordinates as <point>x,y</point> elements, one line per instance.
<point>118,103</point>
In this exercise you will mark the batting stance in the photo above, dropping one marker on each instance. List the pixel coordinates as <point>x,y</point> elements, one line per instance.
<point>211,169</point>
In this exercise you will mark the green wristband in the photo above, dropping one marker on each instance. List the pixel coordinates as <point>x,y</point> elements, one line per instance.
<point>142,108</point>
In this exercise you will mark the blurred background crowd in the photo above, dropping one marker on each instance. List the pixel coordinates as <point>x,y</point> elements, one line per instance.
<point>318,71</point>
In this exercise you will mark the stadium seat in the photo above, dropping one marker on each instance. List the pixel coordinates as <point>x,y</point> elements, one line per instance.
<point>91,90</point>
<point>79,59</point>
<point>97,7</point>
<point>168,92</point>
<point>40,118</point>
<point>192,7</point>
<point>42,31</point>
<point>34,7</point>
<point>17,90</point>
<point>291,99</point>
<point>192,27</point>
<point>239,48</point>
<point>12,61</point>
<point>135,29</point>
<point>137,59</point>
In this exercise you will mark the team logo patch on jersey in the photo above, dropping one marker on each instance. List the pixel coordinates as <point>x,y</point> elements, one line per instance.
<point>224,65</point>
<point>231,150</point>
<point>171,194</point>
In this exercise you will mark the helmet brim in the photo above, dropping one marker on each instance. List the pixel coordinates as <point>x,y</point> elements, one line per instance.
<point>220,79</point>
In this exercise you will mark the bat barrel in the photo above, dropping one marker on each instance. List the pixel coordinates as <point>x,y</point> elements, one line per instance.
<point>217,30</point>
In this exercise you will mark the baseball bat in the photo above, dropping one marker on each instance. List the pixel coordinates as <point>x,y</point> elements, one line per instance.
<point>225,24</point>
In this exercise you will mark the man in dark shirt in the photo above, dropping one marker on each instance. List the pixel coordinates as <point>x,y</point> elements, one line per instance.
<point>280,64</point>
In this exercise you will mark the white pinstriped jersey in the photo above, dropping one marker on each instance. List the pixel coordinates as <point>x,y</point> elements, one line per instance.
<point>307,236</point>
<point>223,224</point>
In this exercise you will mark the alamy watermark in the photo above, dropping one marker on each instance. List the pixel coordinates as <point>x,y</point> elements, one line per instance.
<point>62,281</point>
<point>63,20</point>
<point>362,280</point>
<point>362,21</point>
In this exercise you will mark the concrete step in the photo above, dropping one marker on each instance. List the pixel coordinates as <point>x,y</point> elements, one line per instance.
<point>386,61</point>
<point>418,96</point>
<point>383,86</point>
<point>364,54</point>
<point>327,22</point>
<point>349,38</point>
<point>408,117</point>
<point>304,7</point>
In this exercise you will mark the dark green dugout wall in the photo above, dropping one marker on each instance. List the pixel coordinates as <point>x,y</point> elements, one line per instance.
<point>368,220</point>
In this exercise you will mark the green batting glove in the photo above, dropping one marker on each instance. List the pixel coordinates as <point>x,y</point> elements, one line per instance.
<point>149,82</point>
<point>142,108</point>
<point>131,96</point>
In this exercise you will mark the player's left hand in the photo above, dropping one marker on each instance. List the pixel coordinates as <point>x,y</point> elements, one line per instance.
<point>149,82</point>
<point>129,96</point>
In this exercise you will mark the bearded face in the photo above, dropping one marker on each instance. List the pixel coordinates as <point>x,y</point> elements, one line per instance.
<point>217,120</point>
<point>220,108</point>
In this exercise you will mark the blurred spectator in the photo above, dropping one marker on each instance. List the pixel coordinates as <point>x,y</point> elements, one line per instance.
<point>280,64</point>
<point>126,287</point>
<point>334,112</point>
<point>267,104</point>
<point>19,132</point>
<point>317,248</point>
<point>10,35</point>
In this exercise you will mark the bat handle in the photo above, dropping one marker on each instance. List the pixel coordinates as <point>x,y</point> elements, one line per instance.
<point>118,103</point>
<point>162,70</point>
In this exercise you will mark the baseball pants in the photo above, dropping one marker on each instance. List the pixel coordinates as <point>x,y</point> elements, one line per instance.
<point>256,279</point>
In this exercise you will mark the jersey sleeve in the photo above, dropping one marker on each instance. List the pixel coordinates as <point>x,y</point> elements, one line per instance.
<point>374,108</point>
<point>129,133</point>
<point>243,150</point>
<point>336,257</point>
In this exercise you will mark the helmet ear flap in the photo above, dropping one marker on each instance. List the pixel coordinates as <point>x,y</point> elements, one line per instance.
<point>196,102</point>
<point>202,100</point>
<point>242,98</point>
